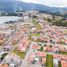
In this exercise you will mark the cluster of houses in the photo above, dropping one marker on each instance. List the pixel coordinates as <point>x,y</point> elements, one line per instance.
<point>6,31</point>
<point>2,36</point>
<point>40,58</point>
<point>11,61</point>
<point>23,45</point>
<point>53,41</point>
<point>20,39</point>
<point>19,42</point>
<point>3,65</point>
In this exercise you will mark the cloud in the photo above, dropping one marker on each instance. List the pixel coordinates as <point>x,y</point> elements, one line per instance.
<point>52,3</point>
<point>33,1</point>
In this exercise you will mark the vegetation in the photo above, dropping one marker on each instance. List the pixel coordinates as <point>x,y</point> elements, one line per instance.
<point>4,55</point>
<point>12,14</point>
<point>35,34</point>
<point>58,22</point>
<point>59,64</point>
<point>41,49</point>
<point>64,53</point>
<point>62,43</point>
<point>20,54</point>
<point>37,25</point>
<point>49,20</point>
<point>49,61</point>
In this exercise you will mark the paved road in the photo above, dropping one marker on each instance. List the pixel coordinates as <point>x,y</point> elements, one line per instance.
<point>25,61</point>
<point>18,27</point>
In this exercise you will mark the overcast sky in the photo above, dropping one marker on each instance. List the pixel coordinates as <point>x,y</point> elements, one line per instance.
<point>52,3</point>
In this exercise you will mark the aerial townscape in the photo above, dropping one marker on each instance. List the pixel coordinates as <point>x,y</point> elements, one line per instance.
<point>34,40</point>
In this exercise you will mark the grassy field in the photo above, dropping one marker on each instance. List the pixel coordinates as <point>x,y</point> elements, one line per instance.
<point>64,53</point>
<point>49,61</point>
<point>36,34</point>
<point>37,25</point>
<point>20,54</point>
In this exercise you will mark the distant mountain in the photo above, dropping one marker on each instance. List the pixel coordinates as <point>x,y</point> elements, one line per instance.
<point>8,5</point>
<point>14,5</point>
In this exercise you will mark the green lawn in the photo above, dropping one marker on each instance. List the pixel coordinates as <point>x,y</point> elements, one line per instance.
<point>64,53</point>
<point>36,34</point>
<point>65,31</point>
<point>49,61</point>
<point>20,54</point>
<point>37,25</point>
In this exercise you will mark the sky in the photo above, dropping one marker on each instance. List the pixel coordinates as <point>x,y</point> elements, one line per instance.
<point>51,3</point>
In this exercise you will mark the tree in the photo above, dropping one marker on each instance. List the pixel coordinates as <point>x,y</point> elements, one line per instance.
<point>41,49</point>
<point>49,20</point>
<point>59,64</point>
